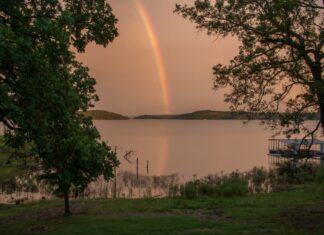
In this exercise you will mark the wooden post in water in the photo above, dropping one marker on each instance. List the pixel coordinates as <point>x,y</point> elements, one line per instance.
<point>147,167</point>
<point>137,168</point>
<point>137,177</point>
<point>115,178</point>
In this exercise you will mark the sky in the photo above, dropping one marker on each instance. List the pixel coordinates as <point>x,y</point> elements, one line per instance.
<point>159,64</point>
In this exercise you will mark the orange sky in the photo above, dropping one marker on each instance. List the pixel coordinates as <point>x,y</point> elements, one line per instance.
<point>127,74</point>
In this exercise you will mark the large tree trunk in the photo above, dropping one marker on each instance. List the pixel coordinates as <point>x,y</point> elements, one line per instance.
<point>67,203</point>
<point>322,112</point>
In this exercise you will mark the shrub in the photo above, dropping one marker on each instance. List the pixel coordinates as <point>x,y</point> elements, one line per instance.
<point>205,189</point>
<point>319,175</point>
<point>190,190</point>
<point>228,187</point>
<point>297,172</point>
<point>258,177</point>
<point>232,188</point>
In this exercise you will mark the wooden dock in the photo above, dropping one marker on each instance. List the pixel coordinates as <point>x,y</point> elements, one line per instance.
<point>284,150</point>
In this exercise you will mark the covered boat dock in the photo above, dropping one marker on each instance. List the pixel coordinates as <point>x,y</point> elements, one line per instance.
<point>296,148</point>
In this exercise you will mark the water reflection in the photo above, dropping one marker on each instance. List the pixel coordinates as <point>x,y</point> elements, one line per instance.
<point>164,153</point>
<point>190,147</point>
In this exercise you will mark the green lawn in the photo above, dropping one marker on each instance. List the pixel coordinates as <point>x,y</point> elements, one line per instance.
<point>298,211</point>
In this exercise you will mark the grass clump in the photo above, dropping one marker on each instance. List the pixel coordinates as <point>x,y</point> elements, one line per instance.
<point>259,180</point>
<point>231,185</point>
<point>232,189</point>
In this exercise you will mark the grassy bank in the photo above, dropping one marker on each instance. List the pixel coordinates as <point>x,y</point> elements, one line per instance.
<point>296,211</point>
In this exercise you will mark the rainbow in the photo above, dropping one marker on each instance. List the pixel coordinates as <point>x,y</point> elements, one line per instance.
<point>144,15</point>
<point>157,53</point>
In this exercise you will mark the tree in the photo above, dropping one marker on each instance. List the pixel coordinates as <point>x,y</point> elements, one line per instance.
<point>278,71</point>
<point>76,160</point>
<point>43,87</point>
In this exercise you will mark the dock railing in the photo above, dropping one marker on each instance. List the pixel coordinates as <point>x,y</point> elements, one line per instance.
<point>296,148</point>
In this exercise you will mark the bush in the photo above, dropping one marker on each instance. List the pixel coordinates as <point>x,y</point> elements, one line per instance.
<point>258,180</point>
<point>258,177</point>
<point>297,172</point>
<point>190,190</point>
<point>319,175</point>
<point>205,189</point>
<point>232,188</point>
<point>226,188</point>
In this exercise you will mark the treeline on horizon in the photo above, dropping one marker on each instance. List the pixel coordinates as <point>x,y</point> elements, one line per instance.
<point>197,115</point>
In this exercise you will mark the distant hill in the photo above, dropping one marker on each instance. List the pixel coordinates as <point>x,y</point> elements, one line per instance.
<point>104,115</point>
<point>214,115</point>
<point>198,115</point>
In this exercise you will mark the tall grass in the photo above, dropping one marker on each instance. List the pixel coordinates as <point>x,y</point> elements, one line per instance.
<point>258,180</point>
<point>28,188</point>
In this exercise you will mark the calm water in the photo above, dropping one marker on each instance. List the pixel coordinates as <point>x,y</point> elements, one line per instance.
<point>196,147</point>
<point>188,147</point>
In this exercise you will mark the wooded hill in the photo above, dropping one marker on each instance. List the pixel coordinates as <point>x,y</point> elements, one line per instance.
<point>216,115</point>
<point>104,115</point>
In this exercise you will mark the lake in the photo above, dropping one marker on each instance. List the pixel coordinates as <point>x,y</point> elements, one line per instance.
<point>188,147</point>
<point>185,148</point>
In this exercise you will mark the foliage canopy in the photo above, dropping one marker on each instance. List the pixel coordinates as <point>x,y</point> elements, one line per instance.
<point>279,67</point>
<point>43,87</point>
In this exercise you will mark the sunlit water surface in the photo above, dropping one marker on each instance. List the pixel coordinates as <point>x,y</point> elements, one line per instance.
<point>185,148</point>
<point>197,147</point>
<point>193,147</point>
